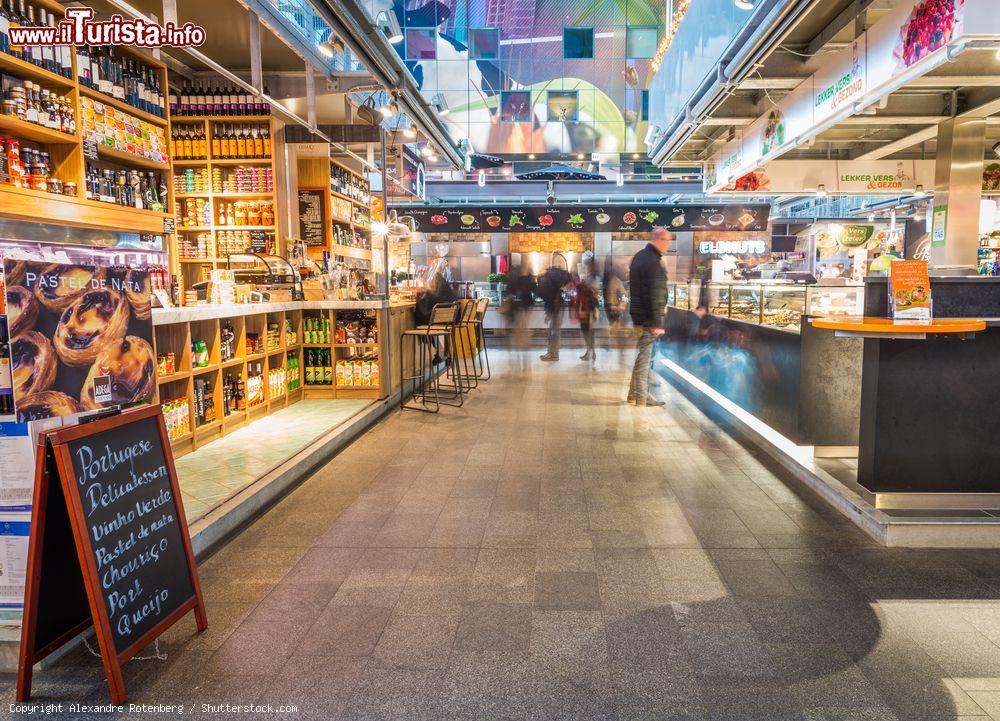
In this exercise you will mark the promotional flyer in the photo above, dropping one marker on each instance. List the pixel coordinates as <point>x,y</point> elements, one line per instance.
<point>910,290</point>
<point>81,337</point>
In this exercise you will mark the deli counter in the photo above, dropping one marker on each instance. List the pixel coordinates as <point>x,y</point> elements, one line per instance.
<point>775,304</point>
<point>750,341</point>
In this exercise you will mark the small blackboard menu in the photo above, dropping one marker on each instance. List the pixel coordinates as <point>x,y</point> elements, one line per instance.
<point>90,149</point>
<point>120,500</point>
<point>312,215</point>
<point>258,241</point>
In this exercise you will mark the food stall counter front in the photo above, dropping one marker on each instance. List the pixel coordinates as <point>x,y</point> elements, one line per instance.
<point>223,366</point>
<point>750,342</point>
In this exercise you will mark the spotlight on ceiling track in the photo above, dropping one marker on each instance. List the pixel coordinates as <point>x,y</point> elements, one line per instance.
<point>427,151</point>
<point>409,132</point>
<point>580,156</point>
<point>388,24</point>
<point>331,46</point>
<point>441,105</point>
<point>871,217</point>
<point>390,108</point>
<point>821,191</point>
<point>919,192</point>
<point>743,4</point>
<point>635,156</point>
<point>531,156</point>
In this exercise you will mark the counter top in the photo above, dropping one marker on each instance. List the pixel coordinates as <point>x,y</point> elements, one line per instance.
<point>166,316</point>
<point>875,327</point>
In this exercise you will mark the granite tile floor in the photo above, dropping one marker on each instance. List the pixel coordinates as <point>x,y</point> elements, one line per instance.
<point>549,552</point>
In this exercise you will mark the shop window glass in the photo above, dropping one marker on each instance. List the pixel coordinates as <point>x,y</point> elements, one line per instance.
<point>641,41</point>
<point>644,112</point>
<point>515,106</point>
<point>578,43</point>
<point>421,44</point>
<point>562,105</point>
<point>484,43</point>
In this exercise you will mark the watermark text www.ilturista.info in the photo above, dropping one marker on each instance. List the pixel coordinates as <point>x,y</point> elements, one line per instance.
<point>79,28</point>
<point>137,710</point>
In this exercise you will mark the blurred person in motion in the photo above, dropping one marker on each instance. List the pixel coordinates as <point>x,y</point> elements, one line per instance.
<point>438,291</point>
<point>647,300</point>
<point>586,302</point>
<point>517,302</point>
<point>550,290</point>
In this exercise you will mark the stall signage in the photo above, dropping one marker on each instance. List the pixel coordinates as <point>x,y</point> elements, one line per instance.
<point>72,325</point>
<point>939,225</point>
<point>575,218</point>
<point>313,216</point>
<point>732,247</point>
<point>109,543</point>
<point>907,42</point>
<point>849,177</point>
<point>909,290</point>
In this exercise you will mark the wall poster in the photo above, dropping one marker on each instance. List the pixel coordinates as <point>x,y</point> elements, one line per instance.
<point>81,337</point>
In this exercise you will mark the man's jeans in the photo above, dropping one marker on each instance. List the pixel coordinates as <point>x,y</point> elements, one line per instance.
<point>555,320</point>
<point>639,387</point>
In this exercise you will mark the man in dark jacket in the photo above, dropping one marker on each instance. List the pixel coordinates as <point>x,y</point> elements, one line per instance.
<point>648,297</point>
<point>550,287</point>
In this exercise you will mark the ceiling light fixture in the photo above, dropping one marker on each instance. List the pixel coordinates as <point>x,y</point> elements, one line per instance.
<point>427,151</point>
<point>409,132</point>
<point>620,180</point>
<point>531,156</point>
<point>821,191</point>
<point>743,4</point>
<point>580,156</point>
<point>441,105</point>
<point>919,192</point>
<point>331,46</point>
<point>871,217</point>
<point>386,22</point>
<point>635,156</point>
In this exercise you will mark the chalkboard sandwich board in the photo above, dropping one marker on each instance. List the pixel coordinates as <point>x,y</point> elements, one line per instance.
<point>118,504</point>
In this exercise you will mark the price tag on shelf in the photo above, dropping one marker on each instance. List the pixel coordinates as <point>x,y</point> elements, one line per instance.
<point>168,225</point>
<point>90,149</point>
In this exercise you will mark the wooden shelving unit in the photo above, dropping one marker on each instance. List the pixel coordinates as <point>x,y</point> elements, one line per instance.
<point>191,270</point>
<point>67,154</point>
<point>316,173</point>
<point>178,337</point>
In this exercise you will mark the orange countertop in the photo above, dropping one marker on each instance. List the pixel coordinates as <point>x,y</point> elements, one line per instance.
<point>887,326</point>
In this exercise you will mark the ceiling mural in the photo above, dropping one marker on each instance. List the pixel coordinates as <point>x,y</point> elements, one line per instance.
<point>534,76</point>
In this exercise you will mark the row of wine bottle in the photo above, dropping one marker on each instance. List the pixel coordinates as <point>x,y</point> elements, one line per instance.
<point>231,141</point>
<point>199,99</point>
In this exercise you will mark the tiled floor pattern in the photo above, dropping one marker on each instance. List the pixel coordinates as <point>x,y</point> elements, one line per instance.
<point>216,471</point>
<point>548,552</point>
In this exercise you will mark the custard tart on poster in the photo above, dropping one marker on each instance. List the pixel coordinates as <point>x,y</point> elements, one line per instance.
<point>81,337</point>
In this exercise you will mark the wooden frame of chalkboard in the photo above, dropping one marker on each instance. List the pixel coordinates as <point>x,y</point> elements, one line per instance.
<point>65,595</point>
<point>309,238</point>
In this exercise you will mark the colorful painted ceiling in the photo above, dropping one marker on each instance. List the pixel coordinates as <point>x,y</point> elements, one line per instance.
<point>534,76</point>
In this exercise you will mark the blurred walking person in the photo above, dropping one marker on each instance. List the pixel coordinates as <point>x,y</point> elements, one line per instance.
<point>647,300</point>
<point>550,290</point>
<point>586,302</point>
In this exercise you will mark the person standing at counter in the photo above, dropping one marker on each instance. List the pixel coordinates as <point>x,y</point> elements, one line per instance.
<point>550,290</point>
<point>648,298</point>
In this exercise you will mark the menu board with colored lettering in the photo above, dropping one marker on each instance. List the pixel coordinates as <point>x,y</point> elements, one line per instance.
<point>909,290</point>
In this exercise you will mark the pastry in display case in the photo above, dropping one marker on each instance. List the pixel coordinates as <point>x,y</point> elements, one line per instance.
<point>745,303</point>
<point>682,296</point>
<point>784,306</point>
<point>718,299</point>
<point>835,300</point>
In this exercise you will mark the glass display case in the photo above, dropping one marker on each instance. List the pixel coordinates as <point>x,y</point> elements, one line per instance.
<point>835,300</point>
<point>784,306</point>
<point>679,294</point>
<point>746,302</point>
<point>260,269</point>
<point>718,298</point>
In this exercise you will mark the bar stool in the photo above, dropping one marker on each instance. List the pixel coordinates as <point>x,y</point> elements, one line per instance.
<point>441,325</point>
<point>482,304</point>
<point>465,334</point>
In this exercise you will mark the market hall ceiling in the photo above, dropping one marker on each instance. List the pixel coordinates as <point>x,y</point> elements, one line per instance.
<point>904,127</point>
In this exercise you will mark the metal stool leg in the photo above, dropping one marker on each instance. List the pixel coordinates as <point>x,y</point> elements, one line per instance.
<point>481,332</point>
